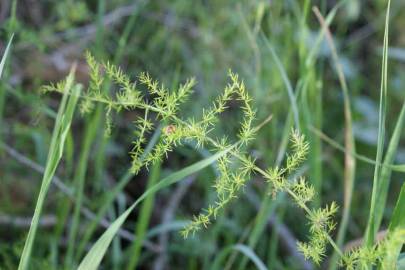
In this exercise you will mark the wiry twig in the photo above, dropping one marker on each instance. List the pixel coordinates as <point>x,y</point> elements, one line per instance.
<point>36,167</point>
<point>24,222</point>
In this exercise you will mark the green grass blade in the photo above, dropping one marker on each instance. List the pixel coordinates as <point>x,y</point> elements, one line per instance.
<point>386,170</point>
<point>245,250</point>
<point>97,252</point>
<point>93,122</point>
<point>144,217</point>
<point>285,78</point>
<point>398,168</point>
<point>396,234</point>
<point>336,145</point>
<point>350,161</point>
<point>62,125</point>
<point>371,225</point>
<point>398,217</point>
<point>315,48</point>
<point>2,88</point>
<point>79,184</point>
<point>110,197</point>
<point>3,59</point>
<point>248,252</point>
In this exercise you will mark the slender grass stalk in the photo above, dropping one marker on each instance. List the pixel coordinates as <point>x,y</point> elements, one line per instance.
<point>2,87</point>
<point>245,250</point>
<point>144,217</point>
<point>286,80</point>
<point>11,30</point>
<point>62,125</point>
<point>92,125</point>
<point>311,103</point>
<point>79,179</point>
<point>398,217</point>
<point>65,202</point>
<point>312,95</point>
<point>5,54</point>
<point>13,18</point>
<point>350,161</point>
<point>371,225</point>
<point>386,169</point>
<point>311,108</point>
<point>396,234</point>
<point>336,145</point>
<point>252,37</point>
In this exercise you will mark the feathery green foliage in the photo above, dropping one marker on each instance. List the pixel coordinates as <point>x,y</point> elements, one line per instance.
<point>235,167</point>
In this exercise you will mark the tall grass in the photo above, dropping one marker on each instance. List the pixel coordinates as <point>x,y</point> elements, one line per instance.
<point>144,218</point>
<point>2,90</point>
<point>60,131</point>
<point>4,57</point>
<point>286,174</point>
<point>350,161</point>
<point>372,226</point>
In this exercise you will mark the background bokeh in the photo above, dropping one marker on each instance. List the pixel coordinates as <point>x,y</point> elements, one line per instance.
<point>175,40</point>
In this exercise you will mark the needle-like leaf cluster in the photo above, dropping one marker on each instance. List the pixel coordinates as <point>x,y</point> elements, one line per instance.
<point>157,106</point>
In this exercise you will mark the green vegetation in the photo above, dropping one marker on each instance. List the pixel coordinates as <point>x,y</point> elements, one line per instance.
<point>272,172</point>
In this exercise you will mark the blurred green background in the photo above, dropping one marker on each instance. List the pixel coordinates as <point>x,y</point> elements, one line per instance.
<point>175,40</point>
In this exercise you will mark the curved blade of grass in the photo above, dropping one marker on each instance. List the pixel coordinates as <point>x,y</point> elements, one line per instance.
<point>350,161</point>
<point>62,125</point>
<point>247,251</point>
<point>336,145</point>
<point>144,217</point>
<point>386,170</point>
<point>315,48</point>
<point>79,184</point>
<point>93,258</point>
<point>93,122</point>
<point>396,232</point>
<point>110,197</point>
<point>285,78</point>
<point>371,225</point>
<point>2,90</point>
<point>398,216</point>
<point>3,59</point>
